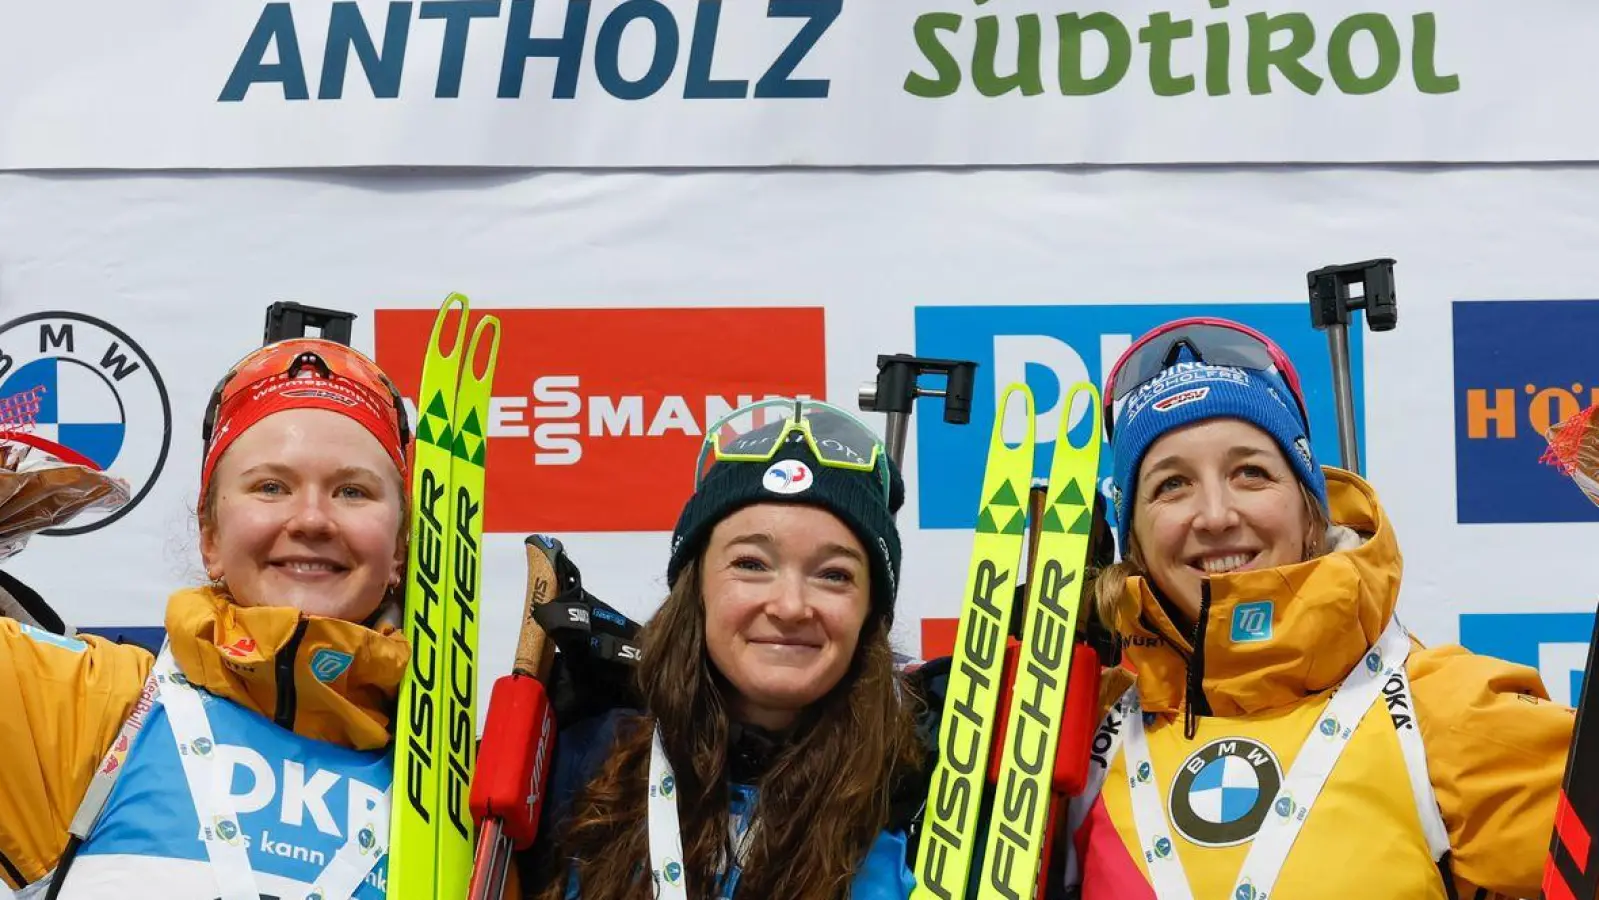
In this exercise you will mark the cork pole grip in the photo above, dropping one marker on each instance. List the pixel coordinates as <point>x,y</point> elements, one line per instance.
<point>534,653</point>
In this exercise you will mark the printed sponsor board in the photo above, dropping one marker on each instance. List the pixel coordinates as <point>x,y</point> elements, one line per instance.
<point>598,414</point>
<point>1520,367</point>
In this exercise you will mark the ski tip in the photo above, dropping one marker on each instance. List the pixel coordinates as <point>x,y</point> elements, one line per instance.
<point>1005,438</point>
<point>488,325</point>
<point>1095,410</point>
<point>463,307</point>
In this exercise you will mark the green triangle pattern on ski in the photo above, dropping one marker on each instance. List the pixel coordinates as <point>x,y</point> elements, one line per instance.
<point>1071,493</point>
<point>1005,496</point>
<point>1084,524</point>
<point>435,425</point>
<point>438,408</point>
<point>1018,523</point>
<point>468,446</point>
<point>985,522</point>
<point>1052,522</point>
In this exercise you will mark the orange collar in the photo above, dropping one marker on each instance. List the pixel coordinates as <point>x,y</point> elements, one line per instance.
<point>323,678</point>
<point>1325,613</point>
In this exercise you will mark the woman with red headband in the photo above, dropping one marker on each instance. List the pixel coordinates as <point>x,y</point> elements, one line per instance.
<point>262,767</point>
<point>1285,735</point>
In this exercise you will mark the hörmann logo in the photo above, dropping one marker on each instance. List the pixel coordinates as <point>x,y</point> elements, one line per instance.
<point>1520,366</point>
<point>599,414</point>
<point>97,392</point>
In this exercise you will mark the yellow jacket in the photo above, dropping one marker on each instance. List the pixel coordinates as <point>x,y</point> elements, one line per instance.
<point>1495,744</point>
<point>62,702</point>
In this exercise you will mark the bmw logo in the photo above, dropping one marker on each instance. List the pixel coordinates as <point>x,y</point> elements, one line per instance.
<point>93,390</point>
<point>1223,792</point>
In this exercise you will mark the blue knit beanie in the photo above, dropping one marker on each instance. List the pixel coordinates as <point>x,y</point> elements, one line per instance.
<point>1190,392</point>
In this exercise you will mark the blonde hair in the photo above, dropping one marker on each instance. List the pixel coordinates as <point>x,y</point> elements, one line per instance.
<point>1118,609</point>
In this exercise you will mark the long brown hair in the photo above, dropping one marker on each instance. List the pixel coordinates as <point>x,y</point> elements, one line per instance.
<point>819,806</point>
<point>1119,611</point>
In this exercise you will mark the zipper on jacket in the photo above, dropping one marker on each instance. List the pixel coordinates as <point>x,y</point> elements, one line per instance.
<point>1194,702</point>
<point>12,872</point>
<point>285,665</point>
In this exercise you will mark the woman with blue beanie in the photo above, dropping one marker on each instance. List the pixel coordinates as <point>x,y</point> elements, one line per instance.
<point>1285,736</point>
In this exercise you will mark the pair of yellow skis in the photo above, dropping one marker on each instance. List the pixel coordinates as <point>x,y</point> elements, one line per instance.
<point>1013,843</point>
<point>431,830</point>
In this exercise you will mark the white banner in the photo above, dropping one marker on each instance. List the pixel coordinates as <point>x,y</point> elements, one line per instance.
<point>163,84</point>
<point>130,296</point>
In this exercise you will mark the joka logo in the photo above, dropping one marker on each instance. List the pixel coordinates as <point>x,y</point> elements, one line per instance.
<point>1520,366</point>
<point>93,390</point>
<point>1556,644</point>
<point>598,415</point>
<point>1223,792</point>
<point>1053,347</point>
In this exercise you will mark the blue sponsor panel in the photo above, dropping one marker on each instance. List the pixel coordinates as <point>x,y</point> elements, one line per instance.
<point>1053,347</point>
<point>1520,366</point>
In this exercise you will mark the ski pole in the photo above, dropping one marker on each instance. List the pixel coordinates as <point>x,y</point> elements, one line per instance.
<point>518,738</point>
<point>1572,868</point>
<point>1330,306</point>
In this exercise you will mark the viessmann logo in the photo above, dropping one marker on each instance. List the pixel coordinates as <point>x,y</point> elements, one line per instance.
<point>597,415</point>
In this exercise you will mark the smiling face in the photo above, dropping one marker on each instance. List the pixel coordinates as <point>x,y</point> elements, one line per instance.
<point>1213,497</point>
<point>305,511</point>
<point>786,593</point>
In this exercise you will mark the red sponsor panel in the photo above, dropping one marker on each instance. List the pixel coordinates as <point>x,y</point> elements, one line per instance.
<point>598,415</point>
<point>938,637</point>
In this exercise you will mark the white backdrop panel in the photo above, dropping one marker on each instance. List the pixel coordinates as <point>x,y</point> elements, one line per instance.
<point>185,264</point>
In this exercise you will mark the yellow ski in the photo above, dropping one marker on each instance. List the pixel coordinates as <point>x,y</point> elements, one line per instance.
<point>955,798</point>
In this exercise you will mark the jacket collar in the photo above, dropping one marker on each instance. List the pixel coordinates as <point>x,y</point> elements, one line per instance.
<point>1325,614</point>
<point>323,678</point>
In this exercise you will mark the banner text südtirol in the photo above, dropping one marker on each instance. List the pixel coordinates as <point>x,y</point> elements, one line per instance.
<point>1095,53</point>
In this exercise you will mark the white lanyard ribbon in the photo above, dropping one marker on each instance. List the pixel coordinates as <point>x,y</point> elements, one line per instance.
<point>1299,790</point>
<point>666,834</point>
<point>209,785</point>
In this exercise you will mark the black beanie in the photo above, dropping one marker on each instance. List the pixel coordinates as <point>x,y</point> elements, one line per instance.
<point>794,476</point>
